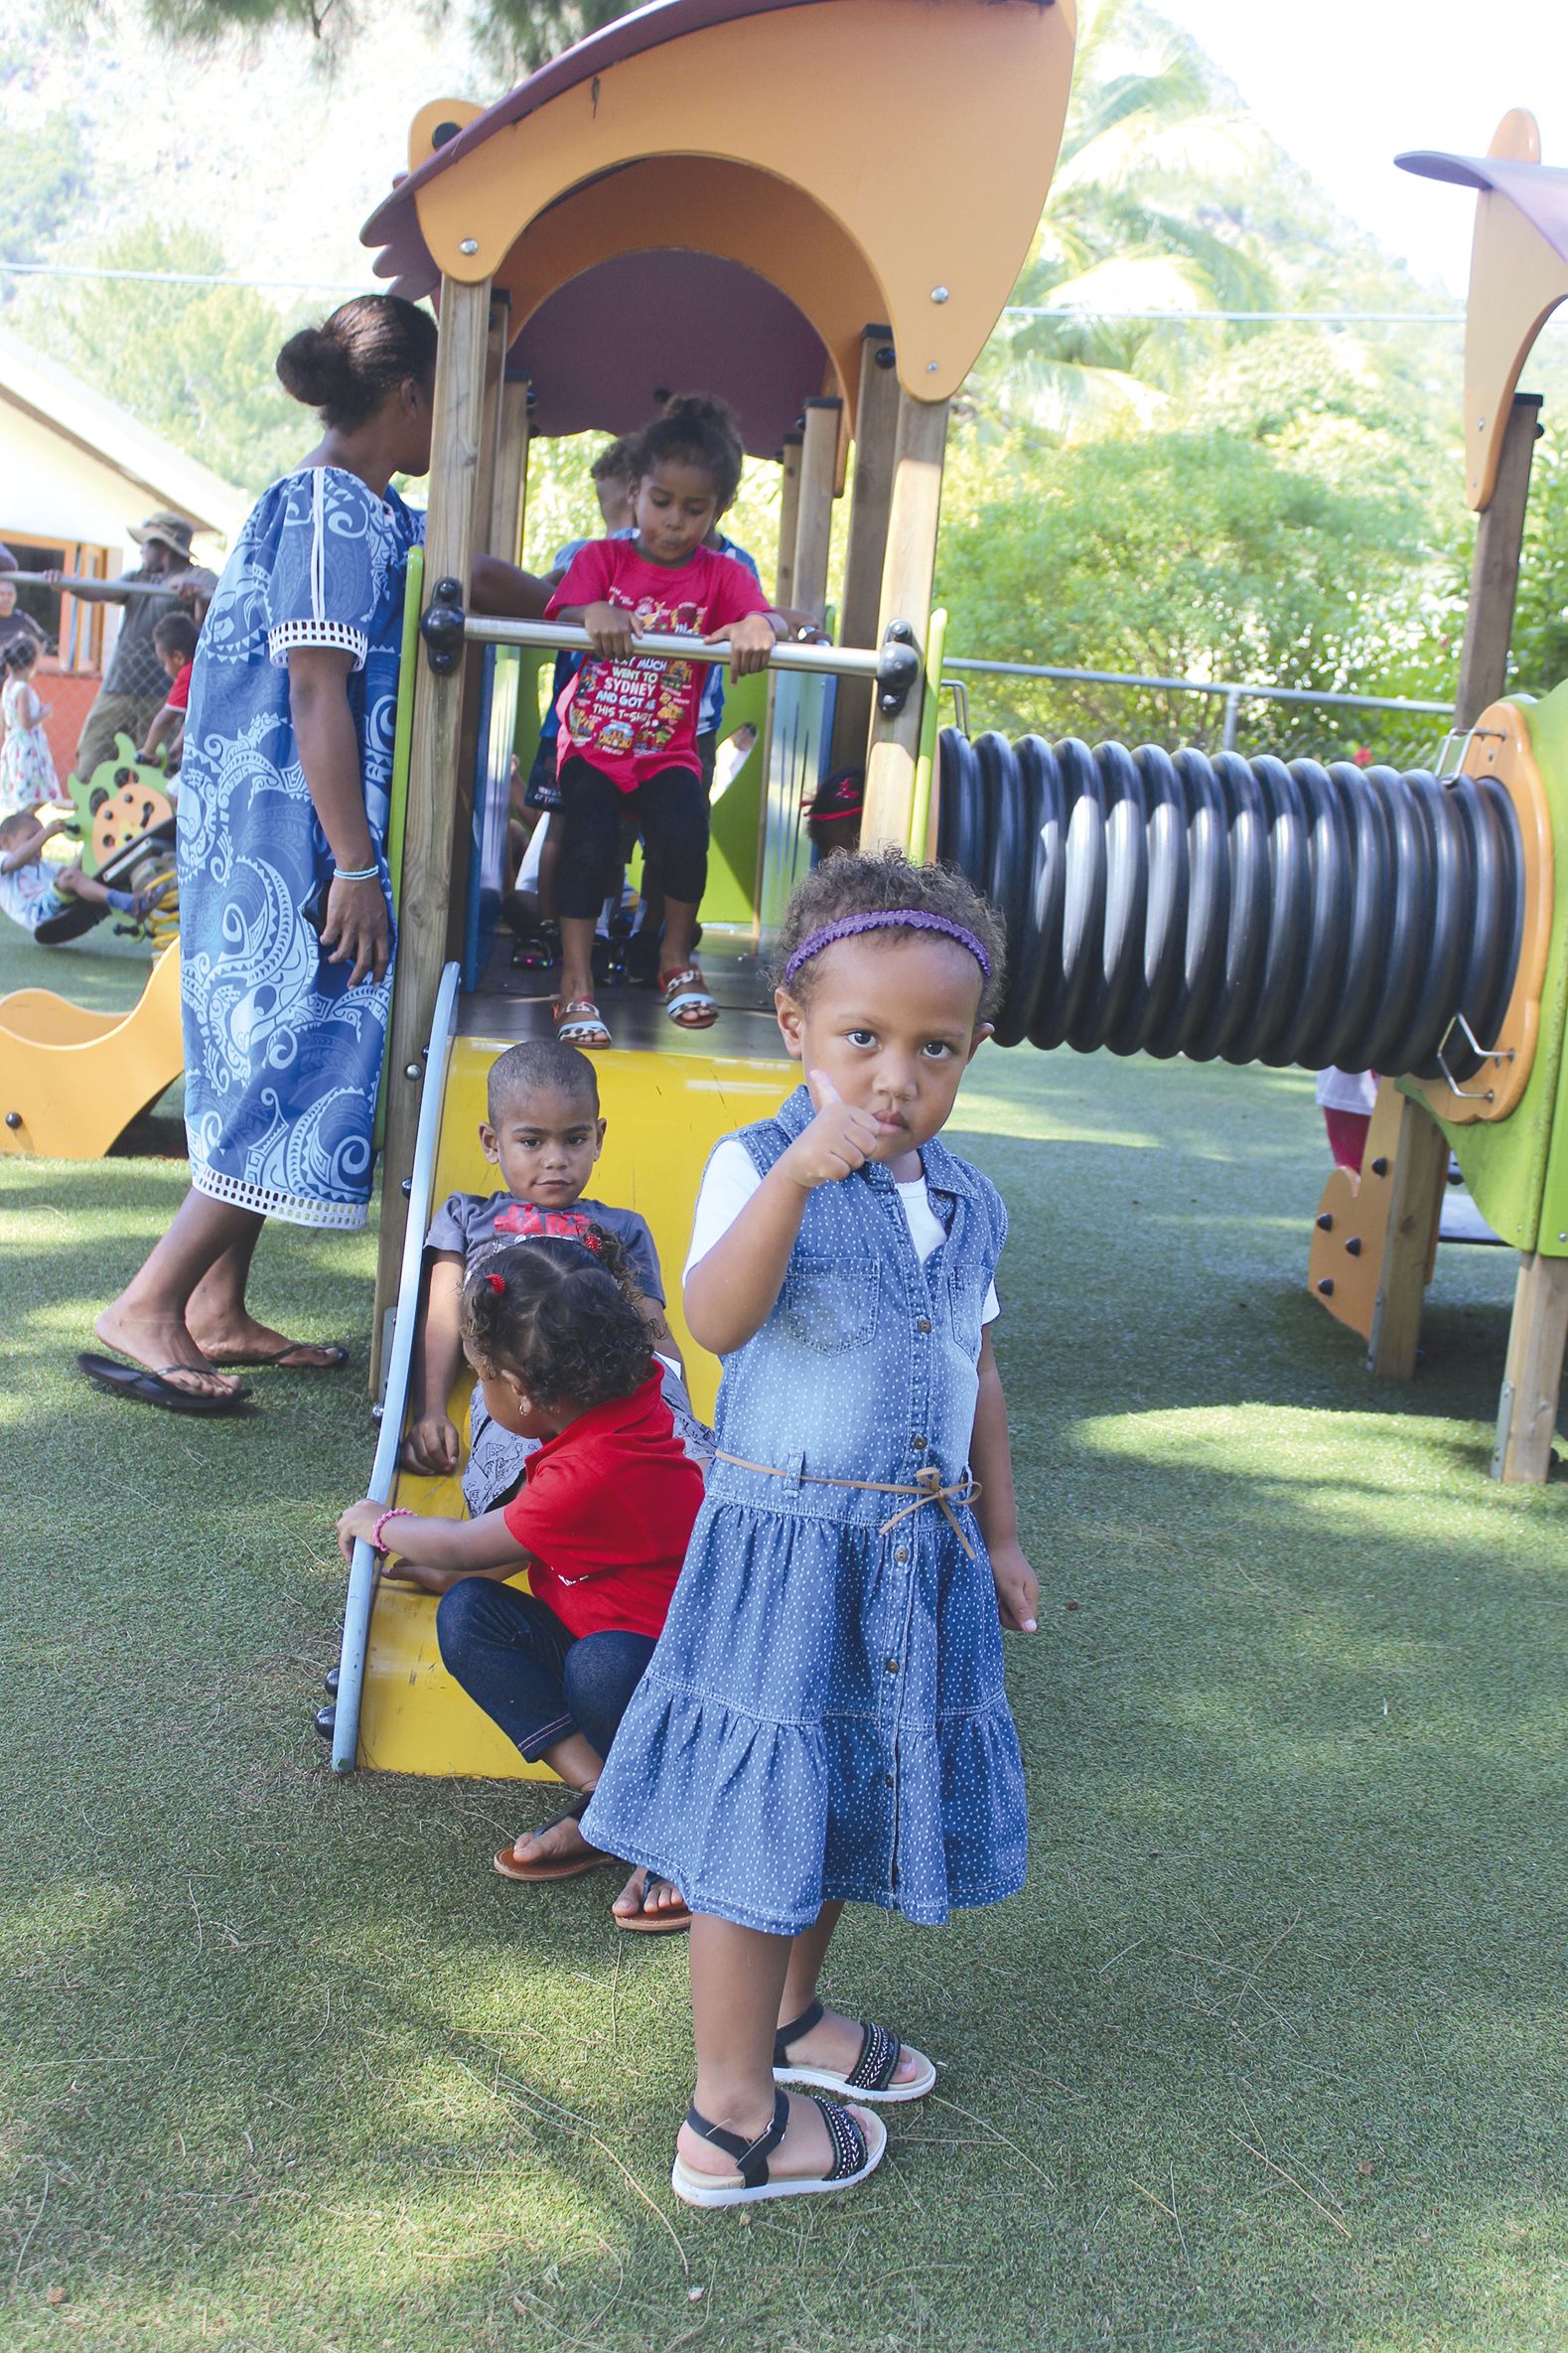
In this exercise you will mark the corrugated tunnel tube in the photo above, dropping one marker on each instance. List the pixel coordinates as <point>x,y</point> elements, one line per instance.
<point>1202,904</point>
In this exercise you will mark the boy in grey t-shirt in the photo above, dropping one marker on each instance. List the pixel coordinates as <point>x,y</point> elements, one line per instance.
<point>544,1134</point>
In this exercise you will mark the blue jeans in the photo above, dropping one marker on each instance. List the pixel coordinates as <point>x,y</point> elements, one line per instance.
<point>529,1674</point>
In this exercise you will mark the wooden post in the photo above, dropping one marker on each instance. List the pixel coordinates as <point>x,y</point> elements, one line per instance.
<point>813,529</point>
<point>512,473</point>
<point>1483,676</point>
<point>432,778</point>
<point>876,424</point>
<point>1533,1376</point>
<point>1415,1199</point>
<point>498,336</point>
<point>1494,567</point>
<point>907,573</point>
<point>788,513</point>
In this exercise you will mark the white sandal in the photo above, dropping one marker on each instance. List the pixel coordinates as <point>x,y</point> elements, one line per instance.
<point>579,1022</point>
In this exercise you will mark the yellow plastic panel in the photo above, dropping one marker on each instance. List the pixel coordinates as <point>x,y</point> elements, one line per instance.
<point>664,1115</point>
<point>72,1080</point>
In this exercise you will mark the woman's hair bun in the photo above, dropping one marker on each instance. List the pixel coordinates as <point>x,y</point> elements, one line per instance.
<point>346,366</point>
<point>315,368</point>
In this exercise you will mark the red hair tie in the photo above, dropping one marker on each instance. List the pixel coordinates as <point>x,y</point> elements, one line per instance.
<point>497,1284</point>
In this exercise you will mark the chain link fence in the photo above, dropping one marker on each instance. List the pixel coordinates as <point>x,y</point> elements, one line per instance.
<point>1292,723</point>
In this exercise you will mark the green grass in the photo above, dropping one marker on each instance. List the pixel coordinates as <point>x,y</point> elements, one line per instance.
<point>1268,2057</point>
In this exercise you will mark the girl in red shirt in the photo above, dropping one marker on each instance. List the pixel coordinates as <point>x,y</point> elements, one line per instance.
<point>628,743</point>
<point>600,1524</point>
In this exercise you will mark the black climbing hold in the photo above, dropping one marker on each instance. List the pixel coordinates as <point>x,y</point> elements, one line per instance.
<point>326,1722</point>
<point>1326,1286</point>
<point>1353,1247</point>
<point>1325,1223</point>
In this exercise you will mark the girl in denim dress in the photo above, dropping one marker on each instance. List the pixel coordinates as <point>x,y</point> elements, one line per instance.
<point>824,1718</point>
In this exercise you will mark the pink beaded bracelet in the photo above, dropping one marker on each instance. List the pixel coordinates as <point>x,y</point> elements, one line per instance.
<point>401,1512</point>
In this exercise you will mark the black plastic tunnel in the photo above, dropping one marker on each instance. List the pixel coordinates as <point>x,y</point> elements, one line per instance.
<point>1249,910</point>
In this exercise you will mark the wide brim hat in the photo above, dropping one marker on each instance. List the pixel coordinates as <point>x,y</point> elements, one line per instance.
<point>172,530</point>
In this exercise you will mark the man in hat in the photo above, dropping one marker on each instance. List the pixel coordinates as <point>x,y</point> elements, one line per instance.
<point>132,692</point>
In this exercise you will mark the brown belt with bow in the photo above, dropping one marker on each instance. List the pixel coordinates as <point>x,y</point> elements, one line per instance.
<point>927,1489</point>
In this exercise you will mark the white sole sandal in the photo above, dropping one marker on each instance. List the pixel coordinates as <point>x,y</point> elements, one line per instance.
<point>859,2140</point>
<point>871,2077</point>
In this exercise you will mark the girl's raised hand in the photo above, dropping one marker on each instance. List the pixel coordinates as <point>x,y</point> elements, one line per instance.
<point>840,1140</point>
<point>610,626</point>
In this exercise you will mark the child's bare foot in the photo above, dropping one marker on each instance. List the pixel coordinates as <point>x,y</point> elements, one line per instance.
<point>162,1344</point>
<point>556,1851</point>
<point>650,1905</point>
<point>829,2052</point>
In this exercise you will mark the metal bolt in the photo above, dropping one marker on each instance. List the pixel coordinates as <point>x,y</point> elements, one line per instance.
<point>469,245</point>
<point>412,1070</point>
<point>940,294</point>
<point>931,367</point>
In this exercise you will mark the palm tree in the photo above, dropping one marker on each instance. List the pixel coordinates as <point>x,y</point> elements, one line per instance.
<point>1147,213</point>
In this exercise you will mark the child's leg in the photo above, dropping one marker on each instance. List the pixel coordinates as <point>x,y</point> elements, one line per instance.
<point>589,820</point>
<point>834,2043</point>
<point>675,813</point>
<point>736,1980</point>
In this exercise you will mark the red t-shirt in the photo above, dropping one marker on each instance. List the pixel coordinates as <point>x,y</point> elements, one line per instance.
<point>607,1509</point>
<point>633,718</point>
<point>178,698</point>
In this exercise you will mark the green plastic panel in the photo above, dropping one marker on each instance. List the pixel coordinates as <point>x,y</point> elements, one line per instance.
<point>1516,1169</point>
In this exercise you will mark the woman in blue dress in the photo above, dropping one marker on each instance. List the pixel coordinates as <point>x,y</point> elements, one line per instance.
<point>287,938</point>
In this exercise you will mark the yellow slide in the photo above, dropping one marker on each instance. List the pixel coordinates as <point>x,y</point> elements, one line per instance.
<point>665,1112</point>
<point>72,1082</point>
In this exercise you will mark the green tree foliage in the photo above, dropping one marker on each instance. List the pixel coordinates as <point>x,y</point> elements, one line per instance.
<point>196,363</point>
<point>1539,651</point>
<point>517,33</point>
<point>44,168</point>
<point>1197,555</point>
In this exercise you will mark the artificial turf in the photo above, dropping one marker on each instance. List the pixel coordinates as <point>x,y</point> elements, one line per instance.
<point>1269,2056</point>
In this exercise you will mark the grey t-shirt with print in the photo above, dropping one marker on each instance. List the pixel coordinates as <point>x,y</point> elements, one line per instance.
<point>478,1222</point>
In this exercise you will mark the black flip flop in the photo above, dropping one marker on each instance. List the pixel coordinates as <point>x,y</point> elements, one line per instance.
<point>336,1355</point>
<point>152,1389</point>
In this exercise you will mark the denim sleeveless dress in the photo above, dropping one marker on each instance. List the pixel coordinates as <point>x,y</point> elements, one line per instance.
<point>824,1715</point>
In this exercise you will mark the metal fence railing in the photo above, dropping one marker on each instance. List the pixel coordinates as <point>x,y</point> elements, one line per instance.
<point>1212,714</point>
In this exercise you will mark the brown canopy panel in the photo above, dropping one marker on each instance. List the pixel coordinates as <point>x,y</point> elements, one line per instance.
<point>786,172</point>
<point>1518,275</point>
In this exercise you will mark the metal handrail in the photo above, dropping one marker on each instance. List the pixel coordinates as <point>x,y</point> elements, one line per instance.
<point>447,627</point>
<point>1224,686</point>
<point>837,661</point>
<point>364,1569</point>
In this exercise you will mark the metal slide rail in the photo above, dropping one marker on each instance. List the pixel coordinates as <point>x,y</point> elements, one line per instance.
<point>362,1569</point>
<point>447,627</point>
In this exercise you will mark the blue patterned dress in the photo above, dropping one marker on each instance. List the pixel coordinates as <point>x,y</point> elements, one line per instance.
<point>824,1715</point>
<point>282,1057</point>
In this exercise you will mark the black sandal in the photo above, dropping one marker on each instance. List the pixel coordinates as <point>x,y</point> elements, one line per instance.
<point>858,2144</point>
<point>871,2077</point>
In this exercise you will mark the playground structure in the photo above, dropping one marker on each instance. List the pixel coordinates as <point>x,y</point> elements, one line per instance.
<point>1163,904</point>
<point>73,1081</point>
<point>629,221</point>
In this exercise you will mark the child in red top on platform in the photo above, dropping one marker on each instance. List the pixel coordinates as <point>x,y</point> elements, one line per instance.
<point>628,723</point>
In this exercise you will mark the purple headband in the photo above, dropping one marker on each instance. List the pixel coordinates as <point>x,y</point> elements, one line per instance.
<point>914,918</point>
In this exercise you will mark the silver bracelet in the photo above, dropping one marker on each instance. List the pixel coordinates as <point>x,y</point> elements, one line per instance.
<point>355,873</point>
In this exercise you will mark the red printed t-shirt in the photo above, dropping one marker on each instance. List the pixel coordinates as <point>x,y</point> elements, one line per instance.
<point>607,1509</point>
<point>633,718</point>
<point>178,698</point>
